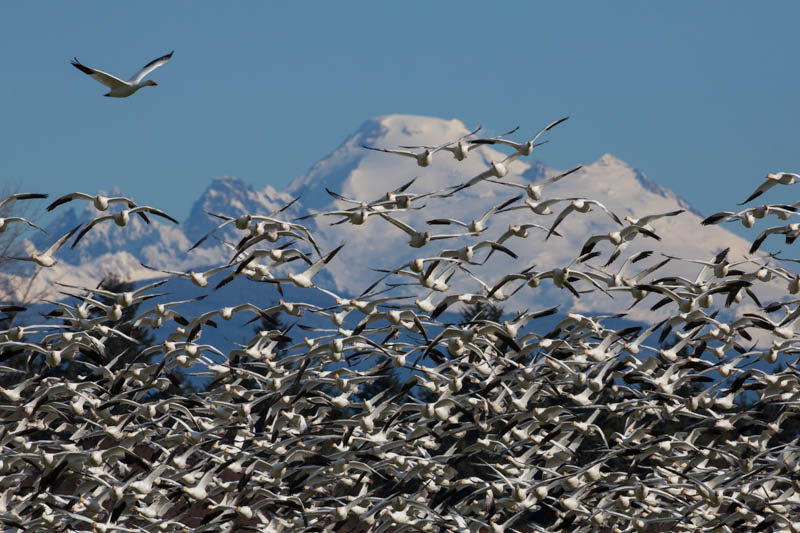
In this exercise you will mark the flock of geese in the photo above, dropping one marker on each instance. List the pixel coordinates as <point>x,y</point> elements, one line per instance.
<point>496,424</point>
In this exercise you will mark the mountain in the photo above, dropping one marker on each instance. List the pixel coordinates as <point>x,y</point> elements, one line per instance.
<point>367,175</point>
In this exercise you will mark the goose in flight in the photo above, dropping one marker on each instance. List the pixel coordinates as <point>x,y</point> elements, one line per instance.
<point>303,279</point>
<point>425,157</point>
<point>5,223</point>
<point>120,88</point>
<point>581,205</point>
<point>780,178</point>
<point>419,238</point>
<point>122,218</point>
<point>495,170</point>
<point>100,202</point>
<point>476,226</point>
<point>748,216</point>
<point>462,148</point>
<point>535,191</point>
<point>198,278</point>
<point>526,148</point>
<point>46,258</point>
<point>618,238</point>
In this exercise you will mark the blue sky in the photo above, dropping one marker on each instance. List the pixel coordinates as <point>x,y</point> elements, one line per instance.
<point>701,96</point>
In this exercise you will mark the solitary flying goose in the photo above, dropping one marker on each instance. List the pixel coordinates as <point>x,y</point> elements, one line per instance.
<point>119,88</point>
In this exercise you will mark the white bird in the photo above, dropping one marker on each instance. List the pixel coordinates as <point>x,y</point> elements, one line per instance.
<point>241,222</point>
<point>541,207</point>
<point>791,231</point>
<point>495,170</point>
<point>418,238</point>
<point>198,278</point>
<point>120,88</point>
<point>356,216</point>
<point>526,148</point>
<point>46,258</point>
<point>5,223</point>
<point>476,226</point>
<point>462,148</point>
<point>748,216</point>
<point>99,201</point>
<point>520,231</point>
<point>780,178</point>
<point>535,190</point>
<point>580,205</point>
<point>423,158</point>
<point>647,219</point>
<point>395,199</point>
<point>617,238</point>
<point>122,218</point>
<point>303,279</point>
<point>125,298</point>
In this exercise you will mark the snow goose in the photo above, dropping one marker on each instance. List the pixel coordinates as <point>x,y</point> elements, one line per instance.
<point>419,238</point>
<point>425,157</point>
<point>120,88</point>
<point>580,205</point>
<point>748,216</point>
<point>526,148</point>
<point>535,190</point>
<point>476,226</point>
<point>122,218</point>
<point>241,222</point>
<point>780,178</point>
<point>394,199</point>
<point>617,238</point>
<point>303,279</point>
<point>46,258</point>
<point>541,207</point>
<point>125,298</point>
<point>495,170</point>
<point>5,223</point>
<point>791,231</point>
<point>462,148</point>
<point>357,216</point>
<point>520,231</point>
<point>198,278</point>
<point>466,253</point>
<point>100,202</point>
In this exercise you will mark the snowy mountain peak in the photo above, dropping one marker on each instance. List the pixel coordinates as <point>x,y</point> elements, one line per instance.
<point>354,170</point>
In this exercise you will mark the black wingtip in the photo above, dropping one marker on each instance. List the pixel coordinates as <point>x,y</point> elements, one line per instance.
<point>83,68</point>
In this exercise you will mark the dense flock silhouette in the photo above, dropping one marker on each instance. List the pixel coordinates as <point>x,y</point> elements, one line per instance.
<point>410,406</point>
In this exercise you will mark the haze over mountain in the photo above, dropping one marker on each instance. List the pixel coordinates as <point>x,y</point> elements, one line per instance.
<point>367,175</point>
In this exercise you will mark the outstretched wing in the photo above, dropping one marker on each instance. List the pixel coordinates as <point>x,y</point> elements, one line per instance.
<point>150,67</point>
<point>112,82</point>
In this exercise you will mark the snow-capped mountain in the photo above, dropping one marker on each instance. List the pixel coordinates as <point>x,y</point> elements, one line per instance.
<point>367,175</point>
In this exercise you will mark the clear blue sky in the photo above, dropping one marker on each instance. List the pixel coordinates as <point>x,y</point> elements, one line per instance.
<point>701,96</point>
